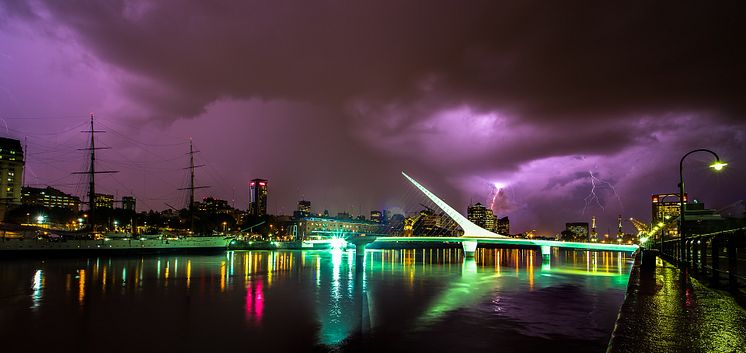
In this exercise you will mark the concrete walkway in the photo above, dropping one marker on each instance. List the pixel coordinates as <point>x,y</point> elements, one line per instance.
<point>667,311</point>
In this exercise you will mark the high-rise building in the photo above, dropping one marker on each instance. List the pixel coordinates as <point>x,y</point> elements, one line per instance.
<point>258,197</point>
<point>375,216</point>
<point>11,171</point>
<point>304,209</point>
<point>503,226</point>
<point>129,203</point>
<point>619,231</point>
<point>666,207</point>
<point>304,206</point>
<point>481,216</point>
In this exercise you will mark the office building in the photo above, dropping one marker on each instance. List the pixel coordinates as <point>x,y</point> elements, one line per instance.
<point>129,203</point>
<point>258,189</point>
<point>304,206</point>
<point>50,197</point>
<point>666,208</point>
<point>482,216</point>
<point>375,216</point>
<point>503,226</point>
<point>104,201</point>
<point>315,227</point>
<point>304,209</point>
<point>11,171</point>
<point>214,206</point>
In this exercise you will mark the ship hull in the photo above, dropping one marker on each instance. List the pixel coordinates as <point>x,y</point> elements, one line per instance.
<point>30,247</point>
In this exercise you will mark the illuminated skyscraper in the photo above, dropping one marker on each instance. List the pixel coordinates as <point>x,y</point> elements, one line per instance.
<point>11,171</point>
<point>481,216</point>
<point>666,208</point>
<point>304,209</point>
<point>258,197</point>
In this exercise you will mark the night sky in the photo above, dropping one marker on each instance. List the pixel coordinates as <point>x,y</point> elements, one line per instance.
<point>518,105</point>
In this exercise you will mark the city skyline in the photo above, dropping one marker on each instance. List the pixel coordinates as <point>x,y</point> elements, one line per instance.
<point>479,106</point>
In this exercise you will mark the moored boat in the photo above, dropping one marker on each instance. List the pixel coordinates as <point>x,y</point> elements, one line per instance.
<point>114,245</point>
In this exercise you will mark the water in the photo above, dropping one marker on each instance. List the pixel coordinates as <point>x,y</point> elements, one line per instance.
<point>504,300</point>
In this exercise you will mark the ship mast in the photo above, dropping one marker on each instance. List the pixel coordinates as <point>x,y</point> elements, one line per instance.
<point>192,187</point>
<point>92,173</point>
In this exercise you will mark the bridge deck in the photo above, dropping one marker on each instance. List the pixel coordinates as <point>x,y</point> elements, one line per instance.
<point>516,242</point>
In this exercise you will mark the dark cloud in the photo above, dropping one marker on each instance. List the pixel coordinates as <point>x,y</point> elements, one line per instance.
<point>545,61</point>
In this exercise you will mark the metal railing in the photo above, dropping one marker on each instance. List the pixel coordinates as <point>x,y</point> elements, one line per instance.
<point>720,256</point>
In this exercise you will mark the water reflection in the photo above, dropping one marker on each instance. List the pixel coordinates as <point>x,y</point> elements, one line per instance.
<point>329,297</point>
<point>37,288</point>
<point>254,303</point>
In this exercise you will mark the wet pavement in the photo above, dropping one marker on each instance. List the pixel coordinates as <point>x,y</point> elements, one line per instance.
<point>667,311</point>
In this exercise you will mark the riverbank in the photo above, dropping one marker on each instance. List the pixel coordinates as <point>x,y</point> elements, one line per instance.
<point>665,310</point>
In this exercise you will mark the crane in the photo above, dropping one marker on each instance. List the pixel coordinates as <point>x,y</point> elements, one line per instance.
<point>642,228</point>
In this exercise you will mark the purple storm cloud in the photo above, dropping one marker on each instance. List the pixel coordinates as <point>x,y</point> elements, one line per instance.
<point>517,105</point>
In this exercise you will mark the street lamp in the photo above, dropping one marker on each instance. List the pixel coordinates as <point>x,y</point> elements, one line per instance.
<point>717,165</point>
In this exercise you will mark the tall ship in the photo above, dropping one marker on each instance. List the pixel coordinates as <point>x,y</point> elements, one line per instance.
<point>95,240</point>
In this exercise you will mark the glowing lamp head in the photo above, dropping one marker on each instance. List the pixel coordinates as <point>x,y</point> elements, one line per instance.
<point>718,165</point>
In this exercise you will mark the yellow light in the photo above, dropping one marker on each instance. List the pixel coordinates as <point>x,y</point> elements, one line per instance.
<point>660,224</point>
<point>718,165</point>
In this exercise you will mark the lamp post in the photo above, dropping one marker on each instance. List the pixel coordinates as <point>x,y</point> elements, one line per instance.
<point>718,165</point>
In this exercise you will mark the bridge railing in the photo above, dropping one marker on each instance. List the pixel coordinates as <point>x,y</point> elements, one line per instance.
<point>720,256</point>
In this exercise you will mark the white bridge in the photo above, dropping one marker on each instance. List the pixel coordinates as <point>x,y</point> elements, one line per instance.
<point>474,234</point>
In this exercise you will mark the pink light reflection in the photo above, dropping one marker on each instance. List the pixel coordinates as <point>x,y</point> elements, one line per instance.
<point>254,303</point>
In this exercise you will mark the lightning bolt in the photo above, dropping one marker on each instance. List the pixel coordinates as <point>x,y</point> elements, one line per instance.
<point>593,197</point>
<point>495,190</point>
<point>494,197</point>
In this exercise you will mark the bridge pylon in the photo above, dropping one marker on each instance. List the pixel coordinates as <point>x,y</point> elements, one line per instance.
<point>470,247</point>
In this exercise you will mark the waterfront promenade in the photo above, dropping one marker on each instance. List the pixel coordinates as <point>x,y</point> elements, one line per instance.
<point>666,310</point>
